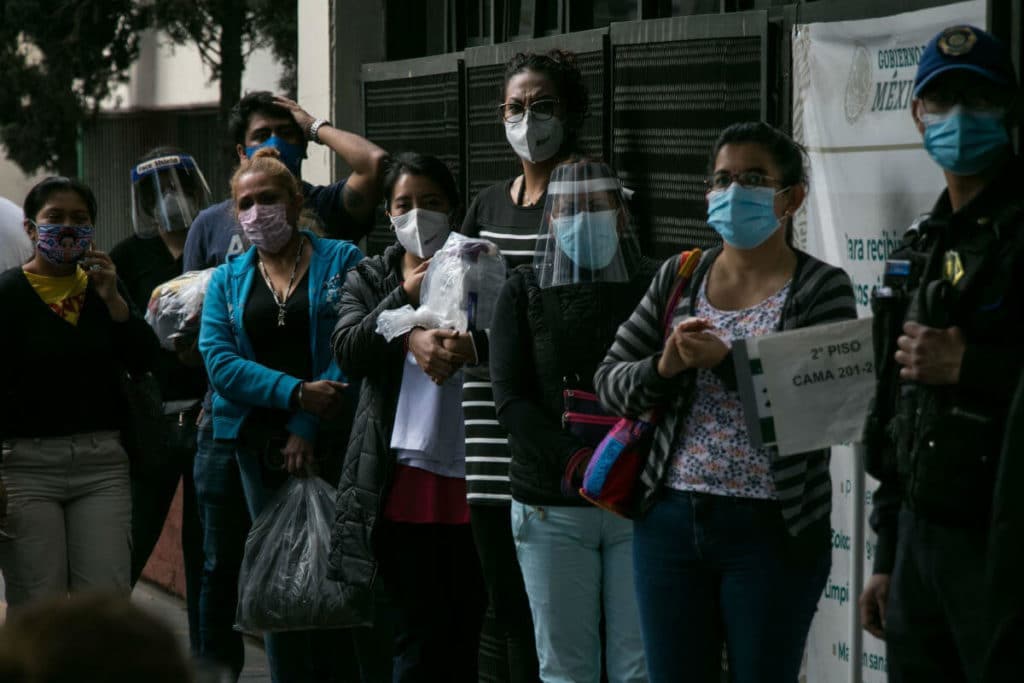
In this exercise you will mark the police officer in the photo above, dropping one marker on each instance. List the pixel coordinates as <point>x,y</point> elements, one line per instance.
<point>949,341</point>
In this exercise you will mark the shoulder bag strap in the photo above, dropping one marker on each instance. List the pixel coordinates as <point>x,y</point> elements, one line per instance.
<point>688,262</point>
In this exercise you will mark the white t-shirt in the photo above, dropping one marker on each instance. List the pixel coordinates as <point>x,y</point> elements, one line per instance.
<point>15,246</point>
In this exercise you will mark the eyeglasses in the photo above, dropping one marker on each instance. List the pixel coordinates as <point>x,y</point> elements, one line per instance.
<point>541,110</point>
<point>723,179</point>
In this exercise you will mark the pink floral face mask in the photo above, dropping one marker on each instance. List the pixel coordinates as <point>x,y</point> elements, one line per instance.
<point>266,226</point>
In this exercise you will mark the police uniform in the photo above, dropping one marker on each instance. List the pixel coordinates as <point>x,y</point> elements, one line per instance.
<point>936,448</point>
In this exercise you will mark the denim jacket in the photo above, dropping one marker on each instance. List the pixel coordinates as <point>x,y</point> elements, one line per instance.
<point>240,383</point>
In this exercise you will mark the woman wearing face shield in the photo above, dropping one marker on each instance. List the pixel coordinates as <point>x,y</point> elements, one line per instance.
<point>553,324</point>
<point>731,540</point>
<point>402,498</point>
<point>71,337</point>
<point>278,396</point>
<point>544,104</point>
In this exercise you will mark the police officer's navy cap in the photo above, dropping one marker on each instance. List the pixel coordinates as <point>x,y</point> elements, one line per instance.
<point>964,48</point>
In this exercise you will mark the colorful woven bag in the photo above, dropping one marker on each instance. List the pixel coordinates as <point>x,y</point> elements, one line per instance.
<point>610,481</point>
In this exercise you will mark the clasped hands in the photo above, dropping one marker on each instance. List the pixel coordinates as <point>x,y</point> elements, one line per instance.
<point>441,353</point>
<point>691,345</point>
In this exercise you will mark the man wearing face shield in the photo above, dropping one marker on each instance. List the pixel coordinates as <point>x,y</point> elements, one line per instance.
<point>949,324</point>
<point>553,324</point>
<point>168,191</point>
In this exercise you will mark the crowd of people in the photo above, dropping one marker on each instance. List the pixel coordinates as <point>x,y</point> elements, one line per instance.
<point>459,454</point>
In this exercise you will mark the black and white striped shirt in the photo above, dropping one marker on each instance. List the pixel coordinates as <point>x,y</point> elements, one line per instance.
<point>495,217</point>
<point>628,382</point>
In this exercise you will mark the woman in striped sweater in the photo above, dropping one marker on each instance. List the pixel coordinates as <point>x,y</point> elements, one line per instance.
<point>544,103</point>
<point>731,541</point>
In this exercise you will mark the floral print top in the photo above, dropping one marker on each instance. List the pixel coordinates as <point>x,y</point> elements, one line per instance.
<point>713,454</point>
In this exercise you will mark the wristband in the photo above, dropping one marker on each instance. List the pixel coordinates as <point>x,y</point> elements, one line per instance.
<point>298,397</point>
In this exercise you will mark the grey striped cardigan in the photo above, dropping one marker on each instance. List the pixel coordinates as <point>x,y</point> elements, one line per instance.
<point>628,383</point>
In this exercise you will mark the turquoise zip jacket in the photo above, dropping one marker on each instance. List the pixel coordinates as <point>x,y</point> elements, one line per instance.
<point>240,383</point>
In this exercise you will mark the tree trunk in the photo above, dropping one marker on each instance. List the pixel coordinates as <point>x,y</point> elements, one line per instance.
<point>232,22</point>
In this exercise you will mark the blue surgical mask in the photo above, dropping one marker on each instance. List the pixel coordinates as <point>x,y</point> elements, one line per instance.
<point>291,155</point>
<point>589,238</point>
<point>743,216</point>
<point>965,141</point>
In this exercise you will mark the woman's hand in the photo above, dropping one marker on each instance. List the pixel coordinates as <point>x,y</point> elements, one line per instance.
<point>672,360</point>
<point>428,348</point>
<point>103,275</point>
<point>323,398</point>
<point>414,281</point>
<point>462,344</point>
<point>701,349</point>
<point>298,454</point>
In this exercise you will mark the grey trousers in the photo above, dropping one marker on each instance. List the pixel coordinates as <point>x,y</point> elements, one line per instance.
<point>70,515</point>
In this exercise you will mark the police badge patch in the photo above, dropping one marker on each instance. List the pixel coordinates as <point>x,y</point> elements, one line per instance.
<point>957,41</point>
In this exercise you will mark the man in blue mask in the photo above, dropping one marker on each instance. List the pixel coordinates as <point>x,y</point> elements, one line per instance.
<point>344,210</point>
<point>949,341</point>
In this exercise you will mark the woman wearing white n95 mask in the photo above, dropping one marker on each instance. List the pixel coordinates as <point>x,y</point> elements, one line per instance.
<point>543,105</point>
<point>401,506</point>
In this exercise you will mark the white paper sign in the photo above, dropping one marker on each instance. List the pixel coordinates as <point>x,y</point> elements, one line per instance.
<point>820,381</point>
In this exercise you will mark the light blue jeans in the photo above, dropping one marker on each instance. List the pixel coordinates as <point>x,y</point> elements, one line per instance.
<point>578,562</point>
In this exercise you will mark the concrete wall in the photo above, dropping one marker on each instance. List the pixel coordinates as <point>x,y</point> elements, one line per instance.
<point>168,76</point>
<point>315,85</point>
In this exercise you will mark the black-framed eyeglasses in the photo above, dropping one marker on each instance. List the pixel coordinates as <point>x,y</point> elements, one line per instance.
<point>541,110</point>
<point>723,179</point>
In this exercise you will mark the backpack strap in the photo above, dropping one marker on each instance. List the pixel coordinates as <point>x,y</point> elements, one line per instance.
<point>688,262</point>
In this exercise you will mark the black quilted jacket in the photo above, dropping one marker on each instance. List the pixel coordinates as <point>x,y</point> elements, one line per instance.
<point>372,287</point>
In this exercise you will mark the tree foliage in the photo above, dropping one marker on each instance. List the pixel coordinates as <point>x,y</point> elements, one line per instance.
<point>60,59</point>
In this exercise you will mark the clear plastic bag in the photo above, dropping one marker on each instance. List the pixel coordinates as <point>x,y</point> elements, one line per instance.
<point>459,291</point>
<point>283,584</point>
<point>176,306</point>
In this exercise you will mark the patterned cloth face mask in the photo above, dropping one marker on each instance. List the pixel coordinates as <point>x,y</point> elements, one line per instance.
<point>63,244</point>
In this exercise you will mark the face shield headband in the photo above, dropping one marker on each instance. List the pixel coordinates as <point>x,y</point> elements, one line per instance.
<point>167,194</point>
<point>585,233</point>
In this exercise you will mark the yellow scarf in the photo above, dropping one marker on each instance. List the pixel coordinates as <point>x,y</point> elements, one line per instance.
<point>64,295</point>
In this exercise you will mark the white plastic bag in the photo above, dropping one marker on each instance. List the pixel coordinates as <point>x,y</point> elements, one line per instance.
<point>283,584</point>
<point>459,291</point>
<point>176,306</point>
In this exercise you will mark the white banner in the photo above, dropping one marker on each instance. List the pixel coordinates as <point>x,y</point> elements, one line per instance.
<point>869,179</point>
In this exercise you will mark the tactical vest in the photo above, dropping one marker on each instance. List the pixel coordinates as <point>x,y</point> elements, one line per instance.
<point>942,446</point>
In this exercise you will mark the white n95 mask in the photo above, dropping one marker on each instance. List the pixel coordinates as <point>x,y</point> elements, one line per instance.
<point>421,231</point>
<point>533,140</point>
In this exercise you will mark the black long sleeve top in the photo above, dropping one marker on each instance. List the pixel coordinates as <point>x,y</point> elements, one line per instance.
<point>58,379</point>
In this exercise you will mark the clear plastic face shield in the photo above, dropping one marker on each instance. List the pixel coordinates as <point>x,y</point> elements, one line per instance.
<point>167,194</point>
<point>585,234</point>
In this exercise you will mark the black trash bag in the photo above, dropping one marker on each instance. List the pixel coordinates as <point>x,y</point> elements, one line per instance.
<point>283,585</point>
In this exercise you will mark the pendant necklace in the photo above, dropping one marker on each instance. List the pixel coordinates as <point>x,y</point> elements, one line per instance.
<point>291,281</point>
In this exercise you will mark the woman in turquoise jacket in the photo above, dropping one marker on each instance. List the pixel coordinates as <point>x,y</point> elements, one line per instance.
<point>278,396</point>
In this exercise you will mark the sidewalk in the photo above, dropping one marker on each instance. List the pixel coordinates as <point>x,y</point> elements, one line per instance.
<point>171,610</point>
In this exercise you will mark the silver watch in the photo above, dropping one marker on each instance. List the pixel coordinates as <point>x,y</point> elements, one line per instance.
<point>314,129</point>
